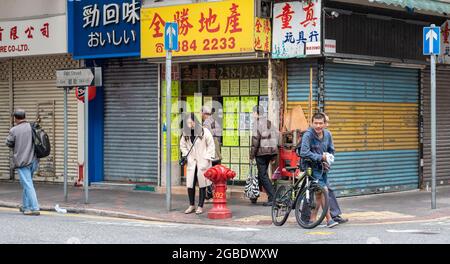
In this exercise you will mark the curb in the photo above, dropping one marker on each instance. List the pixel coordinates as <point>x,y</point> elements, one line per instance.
<point>88,211</point>
<point>115,214</point>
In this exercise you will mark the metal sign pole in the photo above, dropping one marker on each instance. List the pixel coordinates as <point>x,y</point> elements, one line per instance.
<point>66,90</point>
<point>168,129</point>
<point>433,131</point>
<point>86,145</point>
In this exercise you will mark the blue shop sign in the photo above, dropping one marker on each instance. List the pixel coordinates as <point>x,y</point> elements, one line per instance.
<point>103,28</point>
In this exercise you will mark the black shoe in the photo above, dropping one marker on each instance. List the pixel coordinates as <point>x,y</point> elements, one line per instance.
<point>340,220</point>
<point>267,204</point>
<point>21,209</point>
<point>253,201</point>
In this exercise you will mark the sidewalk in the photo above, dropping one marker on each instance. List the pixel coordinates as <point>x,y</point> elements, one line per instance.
<point>370,209</point>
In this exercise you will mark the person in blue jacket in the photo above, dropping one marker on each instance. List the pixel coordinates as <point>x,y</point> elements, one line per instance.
<point>316,143</point>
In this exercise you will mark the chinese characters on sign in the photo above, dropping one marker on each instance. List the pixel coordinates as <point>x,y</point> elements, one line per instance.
<point>33,37</point>
<point>104,28</point>
<point>444,57</point>
<point>263,34</point>
<point>204,28</point>
<point>294,25</point>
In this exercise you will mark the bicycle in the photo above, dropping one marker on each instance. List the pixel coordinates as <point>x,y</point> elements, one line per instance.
<point>301,196</point>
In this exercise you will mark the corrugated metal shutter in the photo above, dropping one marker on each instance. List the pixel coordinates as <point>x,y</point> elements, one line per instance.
<point>374,120</point>
<point>131,121</point>
<point>5,118</point>
<point>298,84</point>
<point>35,91</point>
<point>443,126</point>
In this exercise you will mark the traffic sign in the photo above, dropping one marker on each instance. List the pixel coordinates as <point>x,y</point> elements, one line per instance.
<point>431,40</point>
<point>79,77</point>
<point>171,36</point>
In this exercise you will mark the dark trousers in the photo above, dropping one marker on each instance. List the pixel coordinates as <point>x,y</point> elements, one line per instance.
<point>335,210</point>
<point>262,163</point>
<point>191,193</point>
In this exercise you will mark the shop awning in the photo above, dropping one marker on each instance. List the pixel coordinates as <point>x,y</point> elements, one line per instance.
<point>438,6</point>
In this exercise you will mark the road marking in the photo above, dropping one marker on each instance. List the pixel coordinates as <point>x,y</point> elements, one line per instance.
<point>171,225</point>
<point>320,233</point>
<point>376,215</point>
<point>413,231</point>
<point>404,231</point>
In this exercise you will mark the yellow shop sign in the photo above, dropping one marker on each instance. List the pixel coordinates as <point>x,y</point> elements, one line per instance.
<point>204,28</point>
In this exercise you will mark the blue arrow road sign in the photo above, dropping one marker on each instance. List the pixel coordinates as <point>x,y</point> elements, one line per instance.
<point>171,36</point>
<point>431,41</point>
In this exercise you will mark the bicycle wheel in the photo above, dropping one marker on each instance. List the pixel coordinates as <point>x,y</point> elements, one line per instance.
<point>282,205</point>
<point>311,206</point>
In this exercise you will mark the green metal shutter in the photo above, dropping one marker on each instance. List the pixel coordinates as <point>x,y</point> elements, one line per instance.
<point>131,121</point>
<point>373,114</point>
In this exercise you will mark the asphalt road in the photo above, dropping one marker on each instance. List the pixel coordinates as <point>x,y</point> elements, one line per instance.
<point>53,228</point>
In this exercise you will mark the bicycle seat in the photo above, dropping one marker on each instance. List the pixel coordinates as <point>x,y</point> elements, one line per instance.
<point>291,169</point>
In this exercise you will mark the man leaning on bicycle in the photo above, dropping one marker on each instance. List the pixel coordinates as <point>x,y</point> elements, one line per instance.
<point>317,145</point>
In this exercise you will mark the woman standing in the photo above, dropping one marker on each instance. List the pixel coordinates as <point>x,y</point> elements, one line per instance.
<point>197,144</point>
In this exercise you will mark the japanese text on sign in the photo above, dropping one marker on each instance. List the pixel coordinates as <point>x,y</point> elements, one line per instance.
<point>294,25</point>
<point>204,28</point>
<point>33,37</point>
<point>104,28</point>
<point>111,14</point>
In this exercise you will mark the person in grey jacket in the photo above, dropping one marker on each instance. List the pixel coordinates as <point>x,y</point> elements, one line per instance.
<point>264,148</point>
<point>24,160</point>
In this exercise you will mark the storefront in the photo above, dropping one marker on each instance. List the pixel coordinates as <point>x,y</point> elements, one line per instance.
<point>124,115</point>
<point>231,90</point>
<point>374,117</point>
<point>228,73</point>
<point>31,52</point>
<point>371,95</point>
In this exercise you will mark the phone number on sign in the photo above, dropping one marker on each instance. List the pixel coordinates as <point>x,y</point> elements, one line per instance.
<point>208,44</point>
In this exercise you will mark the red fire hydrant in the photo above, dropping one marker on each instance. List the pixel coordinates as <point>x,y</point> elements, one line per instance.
<point>219,175</point>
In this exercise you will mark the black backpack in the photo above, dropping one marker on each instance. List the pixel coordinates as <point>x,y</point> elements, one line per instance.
<point>40,141</point>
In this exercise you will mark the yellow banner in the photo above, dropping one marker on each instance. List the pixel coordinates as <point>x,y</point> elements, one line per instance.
<point>204,28</point>
<point>263,35</point>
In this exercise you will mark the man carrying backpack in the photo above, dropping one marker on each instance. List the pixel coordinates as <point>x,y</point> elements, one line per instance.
<point>24,159</point>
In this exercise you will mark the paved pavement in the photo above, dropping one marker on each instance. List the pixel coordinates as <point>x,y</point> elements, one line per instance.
<point>401,207</point>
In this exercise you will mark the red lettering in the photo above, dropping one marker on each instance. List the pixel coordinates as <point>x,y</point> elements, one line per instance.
<point>13,33</point>
<point>45,30</point>
<point>258,26</point>
<point>309,9</point>
<point>233,20</point>
<point>182,18</point>
<point>157,22</point>
<point>207,22</point>
<point>29,32</point>
<point>286,16</point>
